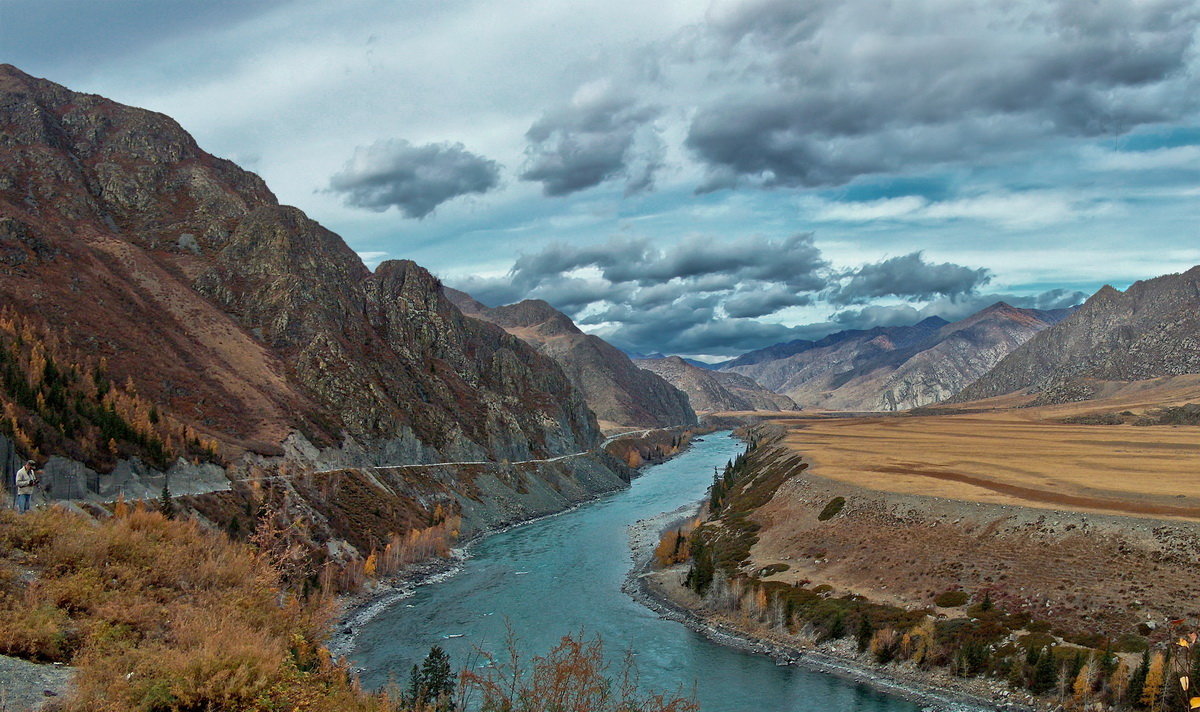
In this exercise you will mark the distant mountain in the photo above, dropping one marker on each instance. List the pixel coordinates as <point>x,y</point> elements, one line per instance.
<point>616,390</point>
<point>716,391</point>
<point>894,368</point>
<point>650,357</point>
<point>1149,331</point>
<point>770,353</point>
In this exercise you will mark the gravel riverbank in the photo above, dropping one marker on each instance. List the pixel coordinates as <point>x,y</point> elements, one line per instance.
<point>935,690</point>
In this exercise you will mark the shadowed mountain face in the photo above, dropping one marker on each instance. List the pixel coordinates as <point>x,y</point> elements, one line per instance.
<point>894,368</point>
<point>240,316</point>
<point>716,391</point>
<point>616,390</point>
<point>1149,331</point>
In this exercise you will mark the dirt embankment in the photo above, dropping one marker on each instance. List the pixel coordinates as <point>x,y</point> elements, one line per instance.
<point>664,591</point>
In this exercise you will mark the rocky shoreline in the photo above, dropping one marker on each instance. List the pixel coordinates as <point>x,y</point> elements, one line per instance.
<point>933,690</point>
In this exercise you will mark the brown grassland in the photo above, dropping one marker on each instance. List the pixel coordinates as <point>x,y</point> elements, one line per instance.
<point>1000,453</point>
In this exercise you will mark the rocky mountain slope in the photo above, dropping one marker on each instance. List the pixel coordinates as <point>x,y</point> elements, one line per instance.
<point>1148,331</point>
<point>617,391</point>
<point>181,276</point>
<point>894,368</point>
<point>716,391</point>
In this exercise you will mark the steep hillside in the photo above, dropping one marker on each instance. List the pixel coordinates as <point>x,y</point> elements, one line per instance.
<point>1149,331</point>
<point>716,391</point>
<point>615,389</point>
<point>239,317</point>
<point>894,368</point>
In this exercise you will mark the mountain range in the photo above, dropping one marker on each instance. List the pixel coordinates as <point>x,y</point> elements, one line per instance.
<point>1150,330</point>
<point>617,391</point>
<point>716,391</point>
<point>893,368</point>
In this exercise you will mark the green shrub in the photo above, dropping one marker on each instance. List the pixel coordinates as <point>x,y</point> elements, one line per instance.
<point>951,599</point>
<point>1131,643</point>
<point>835,505</point>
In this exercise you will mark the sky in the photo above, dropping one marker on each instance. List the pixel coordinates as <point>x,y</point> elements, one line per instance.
<point>696,177</point>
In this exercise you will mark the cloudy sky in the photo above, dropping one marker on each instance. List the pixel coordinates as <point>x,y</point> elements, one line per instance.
<point>700,177</point>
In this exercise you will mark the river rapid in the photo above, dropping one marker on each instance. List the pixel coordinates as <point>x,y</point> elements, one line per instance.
<point>563,574</point>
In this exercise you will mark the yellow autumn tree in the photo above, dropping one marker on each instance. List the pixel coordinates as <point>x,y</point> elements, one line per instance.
<point>1119,681</point>
<point>1082,688</point>
<point>918,643</point>
<point>1154,681</point>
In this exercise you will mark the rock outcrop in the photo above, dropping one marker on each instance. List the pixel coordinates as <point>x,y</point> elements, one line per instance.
<point>241,317</point>
<point>1148,331</point>
<point>614,388</point>
<point>716,391</point>
<point>894,368</point>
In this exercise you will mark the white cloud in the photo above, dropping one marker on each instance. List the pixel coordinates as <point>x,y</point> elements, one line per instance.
<point>1012,210</point>
<point>1179,157</point>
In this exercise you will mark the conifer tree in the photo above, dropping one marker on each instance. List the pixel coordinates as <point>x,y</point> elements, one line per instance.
<point>865,632</point>
<point>1045,677</point>
<point>431,686</point>
<point>1152,688</point>
<point>166,505</point>
<point>1138,681</point>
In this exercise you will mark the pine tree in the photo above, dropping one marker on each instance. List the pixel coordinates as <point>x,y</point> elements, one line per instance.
<point>1138,681</point>
<point>1045,676</point>
<point>166,505</point>
<point>837,628</point>
<point>432,685</point>
<point>865,632</point>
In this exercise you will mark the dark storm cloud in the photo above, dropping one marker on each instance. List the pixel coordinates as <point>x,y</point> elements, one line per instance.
<point>794,261</point>
<point>691,297</point>
<point>415,179</point>
<point>590,141</point>
<point>717,337</point>
<point>909,277</point>
<point>761,302</point>
<point>703,297</point>
<point>821,93</point>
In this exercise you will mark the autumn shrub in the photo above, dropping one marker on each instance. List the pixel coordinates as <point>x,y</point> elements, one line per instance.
<point>573,677</point>
<point>164,616</point>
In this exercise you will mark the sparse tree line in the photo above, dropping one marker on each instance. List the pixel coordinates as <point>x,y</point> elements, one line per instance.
<point>988,641</point>
<point>57,401</point>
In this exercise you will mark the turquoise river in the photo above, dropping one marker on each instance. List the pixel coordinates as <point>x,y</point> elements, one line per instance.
<point>563,574</point>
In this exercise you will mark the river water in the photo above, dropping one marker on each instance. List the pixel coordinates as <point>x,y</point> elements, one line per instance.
<point>563,574</point>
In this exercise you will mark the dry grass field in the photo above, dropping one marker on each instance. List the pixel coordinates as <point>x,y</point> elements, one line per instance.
<point>1019,456</point>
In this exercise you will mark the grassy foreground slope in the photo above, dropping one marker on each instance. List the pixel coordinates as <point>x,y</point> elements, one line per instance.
<point>162,615</point>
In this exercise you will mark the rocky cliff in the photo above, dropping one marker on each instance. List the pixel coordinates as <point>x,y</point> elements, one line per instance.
<point>243,319</point>
<point>618,392</point>
<point>716,391</point>
<point>1150,330</point>
<point>894,368</point>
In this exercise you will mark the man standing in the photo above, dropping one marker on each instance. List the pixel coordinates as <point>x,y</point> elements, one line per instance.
<point>27,481</point>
